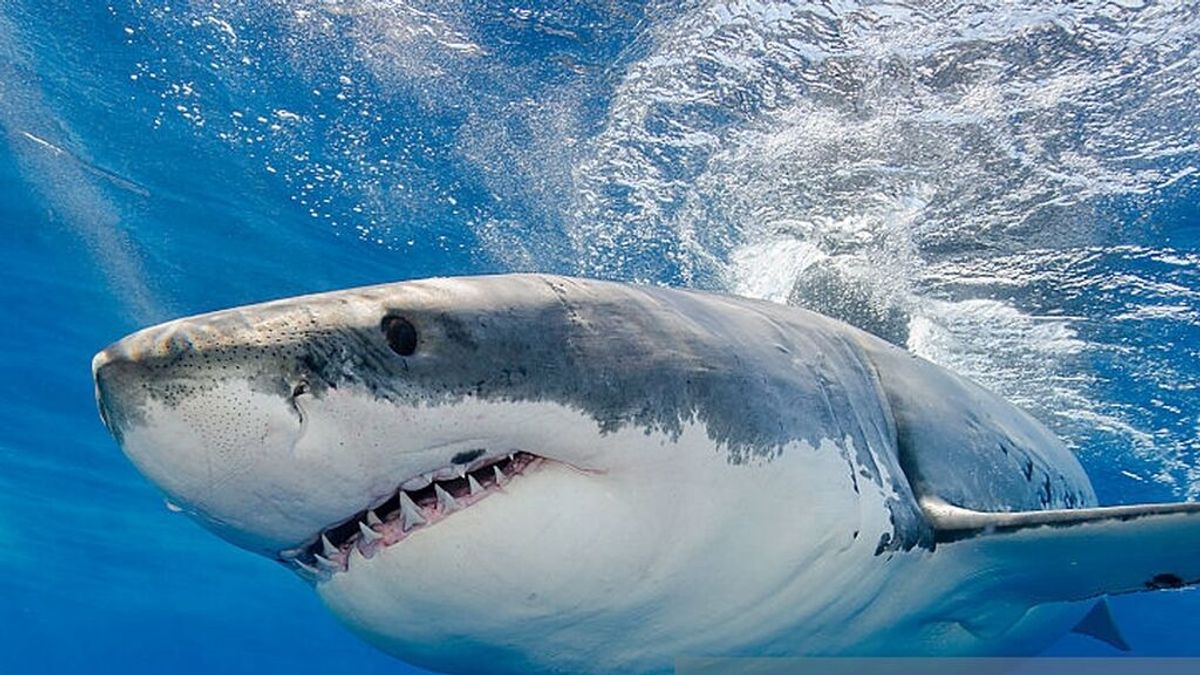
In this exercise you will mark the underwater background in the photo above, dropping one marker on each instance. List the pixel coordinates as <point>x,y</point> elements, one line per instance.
<point>1009,189</point>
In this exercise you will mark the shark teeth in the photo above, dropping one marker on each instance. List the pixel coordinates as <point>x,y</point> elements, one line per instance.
<point>291,553</point>
<point>368,534</point>
<point>326,546</point>
<point>417,482</point>
<point>308,572</point>
<point>445,501</point>
<point>410,512</point>
<point>420,502</point>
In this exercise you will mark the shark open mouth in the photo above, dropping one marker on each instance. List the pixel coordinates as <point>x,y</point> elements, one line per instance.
<point>418,503</point>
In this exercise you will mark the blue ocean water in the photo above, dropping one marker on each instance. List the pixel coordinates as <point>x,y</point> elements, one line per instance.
<point>1009,191</point>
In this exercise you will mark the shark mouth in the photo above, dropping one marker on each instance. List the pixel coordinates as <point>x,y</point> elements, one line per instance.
<point>418,503</point>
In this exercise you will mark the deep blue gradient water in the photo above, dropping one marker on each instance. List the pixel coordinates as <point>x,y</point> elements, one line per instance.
<point>1011,192</point>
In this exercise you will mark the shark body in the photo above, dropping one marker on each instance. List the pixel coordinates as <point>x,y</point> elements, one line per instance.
<point>537,473</point>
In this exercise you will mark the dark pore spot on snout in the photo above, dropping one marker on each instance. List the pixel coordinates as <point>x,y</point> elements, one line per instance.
<point>1166,580</point>
<point>466,456</point>
<point>401,335</point>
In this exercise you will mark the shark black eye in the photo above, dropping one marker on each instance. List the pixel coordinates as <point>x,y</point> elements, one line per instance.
<point>400,334</point>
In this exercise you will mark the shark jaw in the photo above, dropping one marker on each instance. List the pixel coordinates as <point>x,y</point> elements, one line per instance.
<point>420,502</point>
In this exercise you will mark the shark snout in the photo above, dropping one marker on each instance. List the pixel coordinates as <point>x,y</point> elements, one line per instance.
<point>124,371</point>
<point>210,421</point>
<point>115,372</point>
<point>113,357</point>
<point>99,361</point>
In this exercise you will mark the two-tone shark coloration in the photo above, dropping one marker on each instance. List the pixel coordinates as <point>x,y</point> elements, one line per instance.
<point>529,472</point>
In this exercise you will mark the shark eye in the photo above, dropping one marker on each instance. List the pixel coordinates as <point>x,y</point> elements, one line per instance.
<point>400,334</point>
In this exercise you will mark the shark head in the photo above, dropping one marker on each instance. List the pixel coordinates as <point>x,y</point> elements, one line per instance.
<point>513,472</point>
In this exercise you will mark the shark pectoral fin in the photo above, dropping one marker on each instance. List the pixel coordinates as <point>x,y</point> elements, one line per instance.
<point>1099,623</point>
<point>1072,555</point>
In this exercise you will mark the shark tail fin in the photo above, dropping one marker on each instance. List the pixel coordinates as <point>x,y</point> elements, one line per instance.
<point>1072,555</point>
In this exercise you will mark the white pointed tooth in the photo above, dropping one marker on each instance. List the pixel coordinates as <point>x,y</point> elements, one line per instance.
<point>309,570</point>
<point>327,547</point>
<point>368,534</point>
<point>410,513</point>
<point>291,553</point>
<point>326,562</point>
<point>445,499</point>
<point>500,477</point>
<point>417,482</point>
<point>512,456</point>
<point>474,485</point>
<point>373,519</point>
<point>460,471</point>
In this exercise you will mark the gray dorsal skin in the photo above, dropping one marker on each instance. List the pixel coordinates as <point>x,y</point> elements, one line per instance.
<point>759,479</point>
<point>982,453</point>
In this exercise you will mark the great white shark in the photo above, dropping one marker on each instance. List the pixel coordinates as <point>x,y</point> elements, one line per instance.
<point>539,473</point>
